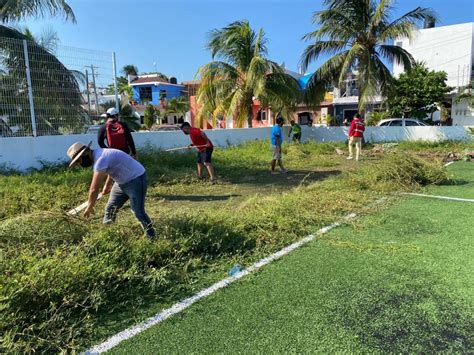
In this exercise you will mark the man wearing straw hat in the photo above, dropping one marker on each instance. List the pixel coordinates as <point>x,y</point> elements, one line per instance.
<point>124,177</point>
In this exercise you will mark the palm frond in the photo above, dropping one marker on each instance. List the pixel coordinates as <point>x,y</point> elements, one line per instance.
<point>315,50</point>
<point>396,54</point>
<point>15,10</point>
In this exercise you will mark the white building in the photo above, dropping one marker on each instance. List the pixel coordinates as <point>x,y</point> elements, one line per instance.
<point>449,49</point>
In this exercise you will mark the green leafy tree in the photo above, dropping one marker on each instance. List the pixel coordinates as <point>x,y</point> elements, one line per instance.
<point>240,72</point>
<point>150,116</point>
<point>356,34</point>
<point>417,92</point>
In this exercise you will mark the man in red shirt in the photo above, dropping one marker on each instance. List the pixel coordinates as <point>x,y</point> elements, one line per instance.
<point>356,133</point>
<point>204,146</point>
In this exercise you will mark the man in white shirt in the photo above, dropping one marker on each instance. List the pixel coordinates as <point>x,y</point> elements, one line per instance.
<point>124,178</point>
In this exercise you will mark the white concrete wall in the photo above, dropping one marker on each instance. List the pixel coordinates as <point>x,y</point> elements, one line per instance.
<point>23,153</point>
<point>446,48</point>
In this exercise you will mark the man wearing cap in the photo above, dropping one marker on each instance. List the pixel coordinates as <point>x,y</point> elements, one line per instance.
<point>124,177</point>
<point>116,134</point>
<point>205,148</point>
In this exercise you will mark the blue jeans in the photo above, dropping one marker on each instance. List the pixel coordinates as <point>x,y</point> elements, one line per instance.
<point>134,190</point>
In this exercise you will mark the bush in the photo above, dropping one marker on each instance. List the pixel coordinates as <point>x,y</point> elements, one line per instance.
<point>149,116</point>
<point>373,118</point>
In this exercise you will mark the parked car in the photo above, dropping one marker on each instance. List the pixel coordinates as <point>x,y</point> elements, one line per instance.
<point>401,122</point>
<point>165,127</point>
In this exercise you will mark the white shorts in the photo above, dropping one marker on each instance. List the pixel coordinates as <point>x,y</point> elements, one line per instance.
<point>276,152</point>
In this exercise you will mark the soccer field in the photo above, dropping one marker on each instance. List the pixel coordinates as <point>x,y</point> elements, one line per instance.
<point>397,276</point>
<point>395,281</point>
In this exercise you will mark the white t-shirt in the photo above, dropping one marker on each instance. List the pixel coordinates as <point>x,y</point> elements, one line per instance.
<point>119,165</point>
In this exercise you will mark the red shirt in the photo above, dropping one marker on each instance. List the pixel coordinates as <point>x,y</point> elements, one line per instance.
<point>198,139</point>
<point>357,128</point>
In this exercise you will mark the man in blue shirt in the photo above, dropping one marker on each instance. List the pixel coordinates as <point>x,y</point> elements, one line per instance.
<point>122,176</point>
<point>277,140</point>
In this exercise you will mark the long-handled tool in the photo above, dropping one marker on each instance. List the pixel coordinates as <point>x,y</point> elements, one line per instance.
<point>181,148</point>
<point>82,206</point>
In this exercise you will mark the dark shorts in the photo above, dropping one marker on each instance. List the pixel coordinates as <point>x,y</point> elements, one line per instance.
<point>297,136</point>
<point>205,156</point>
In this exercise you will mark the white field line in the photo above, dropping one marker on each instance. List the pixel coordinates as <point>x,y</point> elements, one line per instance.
<point>178,307</point>
<point>440,197</point>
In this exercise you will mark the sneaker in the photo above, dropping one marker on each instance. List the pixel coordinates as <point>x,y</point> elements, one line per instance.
<point>284,171</point>
<point>273,172</point>
<point>349,158</point>
<point>213,181</point>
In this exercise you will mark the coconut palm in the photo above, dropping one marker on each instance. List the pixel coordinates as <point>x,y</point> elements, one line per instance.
<point>239,73</point>
<point>130,69</point>
<point>177,105</point>
<point>358,33</point>
<point>16,10</point>
<point>50,79</point>
<point>57,94</point>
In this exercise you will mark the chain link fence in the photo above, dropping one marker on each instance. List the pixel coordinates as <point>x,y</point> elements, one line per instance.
<point>50,92</point>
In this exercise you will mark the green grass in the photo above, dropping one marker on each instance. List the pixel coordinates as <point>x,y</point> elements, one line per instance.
<point>396,281</point>
<point>69,282</point>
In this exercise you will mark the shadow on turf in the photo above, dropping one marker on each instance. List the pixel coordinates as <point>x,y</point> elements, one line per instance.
<point>292,178</point>
<point>197,198</point>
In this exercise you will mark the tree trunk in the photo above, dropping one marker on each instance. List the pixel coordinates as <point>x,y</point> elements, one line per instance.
<point>250,115</point>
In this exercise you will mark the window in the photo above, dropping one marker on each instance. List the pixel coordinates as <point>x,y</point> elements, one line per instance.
<point>396,123</point>
<point>145,93</point>
<point>411,123</point>
<point>163,94</point>
<point>385,124</point>
<point>261,115</point>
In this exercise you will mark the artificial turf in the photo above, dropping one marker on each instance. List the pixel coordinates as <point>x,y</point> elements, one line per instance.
<point>396,281</point>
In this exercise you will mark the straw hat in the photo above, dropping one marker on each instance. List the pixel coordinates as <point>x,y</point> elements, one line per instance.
<point>75,152</point>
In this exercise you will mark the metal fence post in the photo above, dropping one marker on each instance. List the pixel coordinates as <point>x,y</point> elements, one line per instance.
<point>114,65</point>
<point>30,88</point>
<point>95,91</point>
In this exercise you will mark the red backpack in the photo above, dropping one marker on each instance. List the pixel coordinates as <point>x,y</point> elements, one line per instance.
<point>115,135</point>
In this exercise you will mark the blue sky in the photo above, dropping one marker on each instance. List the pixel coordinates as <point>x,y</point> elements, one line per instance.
<point>173,32</point>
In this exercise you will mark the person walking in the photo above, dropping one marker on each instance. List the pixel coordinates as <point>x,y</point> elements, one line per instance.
<point>296,130</point>
<point>276,142</point>
<point>205,148</point>
<point>124,177</point>
<point>356,135</point>
<point>116,134</point>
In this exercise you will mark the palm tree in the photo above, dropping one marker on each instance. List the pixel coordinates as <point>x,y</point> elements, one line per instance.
<point>16,10</point>
<point>49,77</point>
<point>357,34</point>
<point>239,73</point>
<point>177,105</point>
<point>130,69</point>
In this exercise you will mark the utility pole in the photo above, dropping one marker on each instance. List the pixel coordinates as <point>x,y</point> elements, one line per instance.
<point>95,91</point>
<point>115,82</point>
<point>88,94</point>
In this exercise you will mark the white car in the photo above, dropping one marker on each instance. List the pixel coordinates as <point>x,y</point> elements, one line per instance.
<point>401,122</point>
